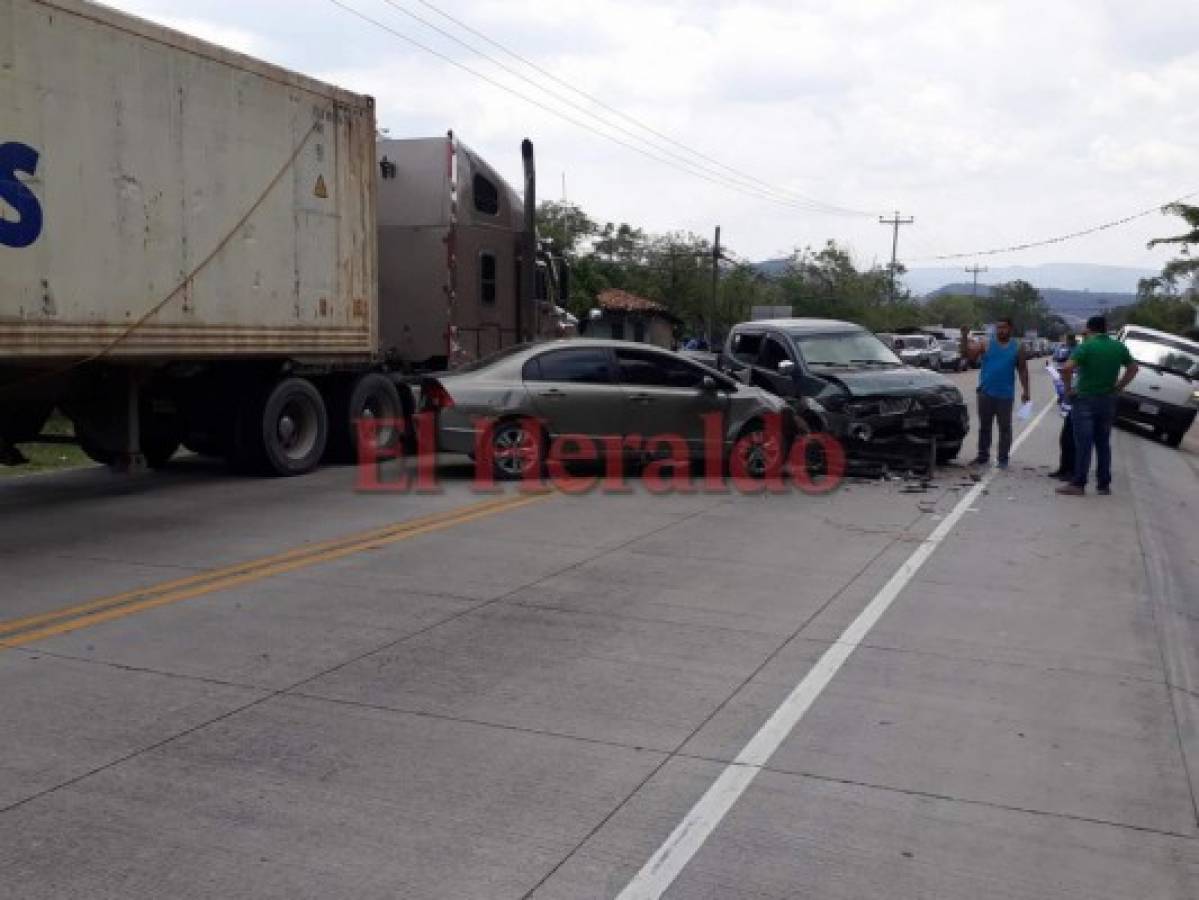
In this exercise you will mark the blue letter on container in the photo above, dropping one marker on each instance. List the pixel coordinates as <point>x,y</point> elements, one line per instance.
<point>24,231</point>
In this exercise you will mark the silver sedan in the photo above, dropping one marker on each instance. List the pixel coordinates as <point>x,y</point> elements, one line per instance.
<point>641,401</point>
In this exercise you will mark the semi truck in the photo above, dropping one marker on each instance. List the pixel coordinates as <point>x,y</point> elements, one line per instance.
<point>198,248</point>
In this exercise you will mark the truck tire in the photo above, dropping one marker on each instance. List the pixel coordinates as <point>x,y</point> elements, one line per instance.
<point>372,396</point>
<point>282,430</point>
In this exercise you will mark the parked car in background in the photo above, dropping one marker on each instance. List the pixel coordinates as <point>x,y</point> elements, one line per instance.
<point>919,350</point>
<point>951,355</point>
<point>846,382</point>
<point>1165,393</point>
<point>603,390</point>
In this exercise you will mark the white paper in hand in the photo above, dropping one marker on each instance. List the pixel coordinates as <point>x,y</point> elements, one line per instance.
<point>1024,413</point>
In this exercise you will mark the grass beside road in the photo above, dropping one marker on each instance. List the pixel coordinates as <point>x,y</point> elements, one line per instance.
<point>44,457</point>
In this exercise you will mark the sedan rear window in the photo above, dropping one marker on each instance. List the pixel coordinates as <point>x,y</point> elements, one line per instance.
<point>583,366</point>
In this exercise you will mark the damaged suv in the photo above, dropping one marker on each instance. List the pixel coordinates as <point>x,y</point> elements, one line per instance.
<point>843,380</point>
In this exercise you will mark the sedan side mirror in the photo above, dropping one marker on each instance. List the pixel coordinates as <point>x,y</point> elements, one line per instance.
<point>785,367</point>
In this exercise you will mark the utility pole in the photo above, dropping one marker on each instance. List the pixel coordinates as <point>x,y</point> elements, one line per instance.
<point>974,270</point>
<point>895,223</point>
<point>715,282</point>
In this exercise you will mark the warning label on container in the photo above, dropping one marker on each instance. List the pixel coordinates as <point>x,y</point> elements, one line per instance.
<point>320,190</point>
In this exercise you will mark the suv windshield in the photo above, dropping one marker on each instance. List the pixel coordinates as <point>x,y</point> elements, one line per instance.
<point>1163,353</point>
<point>844,348</point>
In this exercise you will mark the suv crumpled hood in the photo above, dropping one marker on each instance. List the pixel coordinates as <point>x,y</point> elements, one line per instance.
<point>873,382</point>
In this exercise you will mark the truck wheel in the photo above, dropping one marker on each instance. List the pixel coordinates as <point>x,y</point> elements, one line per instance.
<point>283,430</point>
<point>373,396</point>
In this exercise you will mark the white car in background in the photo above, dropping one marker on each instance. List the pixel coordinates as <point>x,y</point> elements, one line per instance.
<point>1165,393</point>
<point>951,355</point>
<point>917,350</point>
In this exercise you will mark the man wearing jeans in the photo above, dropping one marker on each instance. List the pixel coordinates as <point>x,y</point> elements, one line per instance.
<point>1002,359</point>
<point>1098,361</point>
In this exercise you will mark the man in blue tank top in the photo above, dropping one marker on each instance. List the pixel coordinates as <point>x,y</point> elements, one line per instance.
<point>1002,360</point>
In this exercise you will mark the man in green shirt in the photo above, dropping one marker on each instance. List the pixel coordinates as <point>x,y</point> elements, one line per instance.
<point>1098,361</point>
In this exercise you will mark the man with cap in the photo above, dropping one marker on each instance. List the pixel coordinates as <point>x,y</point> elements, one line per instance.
<point>1098,361</point>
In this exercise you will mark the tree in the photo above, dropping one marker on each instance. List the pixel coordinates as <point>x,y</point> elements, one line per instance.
<point>827,284</point>
<point>1170,301</point>
<point>564,225</point>
<point>953,310</point>
<point>1186,267</point>
<point>1019,301</point>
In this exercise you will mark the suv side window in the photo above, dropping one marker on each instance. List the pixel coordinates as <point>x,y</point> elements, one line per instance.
<point>745,345</point>
<point>773,353</point>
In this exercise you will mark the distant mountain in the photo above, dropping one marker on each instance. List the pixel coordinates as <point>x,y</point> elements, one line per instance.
<point>1070,304</point>
<point>1060,276</point>
<point>771,267</point>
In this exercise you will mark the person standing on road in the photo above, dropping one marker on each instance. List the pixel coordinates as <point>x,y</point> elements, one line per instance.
<point>1098,361</point>
<point>1065,440</point>
<point>1002,360</point>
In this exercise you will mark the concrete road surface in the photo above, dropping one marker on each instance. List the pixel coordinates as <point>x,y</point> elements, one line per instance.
<point>220,687</point>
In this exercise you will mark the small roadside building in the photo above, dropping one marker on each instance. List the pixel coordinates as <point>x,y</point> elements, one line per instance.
<point>622,316</point>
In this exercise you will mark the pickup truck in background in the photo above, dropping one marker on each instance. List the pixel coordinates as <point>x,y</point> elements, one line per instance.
<point>1164,395</point>
<point>211,251</point>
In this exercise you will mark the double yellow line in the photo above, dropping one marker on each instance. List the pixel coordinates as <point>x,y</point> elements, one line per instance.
<point>16,632</point>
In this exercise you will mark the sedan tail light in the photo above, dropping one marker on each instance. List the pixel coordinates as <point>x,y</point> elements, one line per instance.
<point>435,396</point>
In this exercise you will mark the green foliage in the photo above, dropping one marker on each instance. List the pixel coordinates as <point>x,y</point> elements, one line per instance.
<point>564,225</point>
<point>953,310</point>
<point>825,283</point>
<point>1019,301</point>
<point>1173,314</point>
<point>1169,301</point>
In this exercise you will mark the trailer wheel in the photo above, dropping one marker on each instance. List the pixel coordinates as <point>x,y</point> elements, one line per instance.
<point>373,396</point>
<point>283,430</point>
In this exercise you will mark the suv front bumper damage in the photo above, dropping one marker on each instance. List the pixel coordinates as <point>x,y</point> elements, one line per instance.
<point>872,427</point>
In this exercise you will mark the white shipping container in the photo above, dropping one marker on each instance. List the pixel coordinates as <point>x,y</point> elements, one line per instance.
<point>176,198</point>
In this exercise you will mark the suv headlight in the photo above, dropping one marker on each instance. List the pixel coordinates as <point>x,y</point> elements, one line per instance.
<point>951,394</point>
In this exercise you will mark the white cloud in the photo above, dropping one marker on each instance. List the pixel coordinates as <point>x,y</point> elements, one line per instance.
<point>992,123</point>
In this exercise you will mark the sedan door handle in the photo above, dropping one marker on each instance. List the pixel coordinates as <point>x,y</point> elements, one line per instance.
<point>553,394</point>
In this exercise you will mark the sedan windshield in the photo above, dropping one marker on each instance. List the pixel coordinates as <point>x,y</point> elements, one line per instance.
<point>1161,353</point>
<point>845,348</point>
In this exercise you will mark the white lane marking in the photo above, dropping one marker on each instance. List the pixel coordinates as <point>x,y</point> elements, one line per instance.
<point>690,835</point>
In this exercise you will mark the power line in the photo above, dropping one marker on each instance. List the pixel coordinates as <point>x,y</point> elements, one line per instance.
<point>830,207</point>
<point>1061,238</point>
<point>688,168</point>
<point>895,222</point>
<point>741,181</point>
<point>975,270</point>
